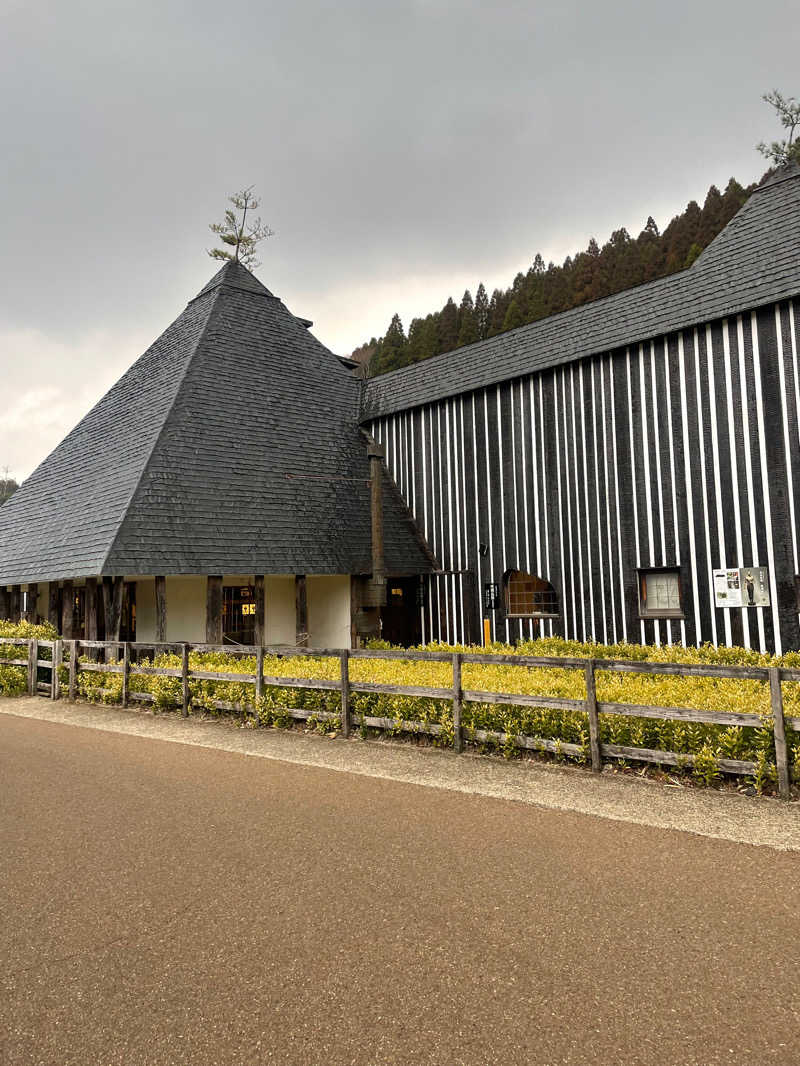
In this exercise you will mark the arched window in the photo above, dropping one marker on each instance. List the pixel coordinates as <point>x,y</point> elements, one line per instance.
<point>527,595</point>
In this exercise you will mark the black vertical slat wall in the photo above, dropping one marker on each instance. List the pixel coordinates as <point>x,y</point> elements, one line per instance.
<point>680,452</point>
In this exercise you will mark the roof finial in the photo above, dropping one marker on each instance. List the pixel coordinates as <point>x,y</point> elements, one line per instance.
<point>237,234</point>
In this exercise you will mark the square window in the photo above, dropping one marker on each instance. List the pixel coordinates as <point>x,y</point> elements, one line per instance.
<point>660,594</point>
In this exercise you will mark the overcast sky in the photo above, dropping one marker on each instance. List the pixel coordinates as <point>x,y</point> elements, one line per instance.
<point>403,151</point>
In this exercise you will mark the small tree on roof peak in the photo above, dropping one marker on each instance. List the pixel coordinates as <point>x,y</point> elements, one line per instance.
<point>788,111</point>
<point>240,236</point>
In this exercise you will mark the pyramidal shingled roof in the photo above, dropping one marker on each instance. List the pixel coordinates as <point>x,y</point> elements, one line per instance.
<point>754,260</point>
<point>231,446</point>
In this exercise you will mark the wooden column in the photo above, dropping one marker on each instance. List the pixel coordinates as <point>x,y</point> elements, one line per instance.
<point>31,603</point>
<point>14,603</point>
<point>91,608</point>
<point>161,609</point>
<point>4,602</point>
<point>301,610</point>
<point>112,606</point>
<point>214,609</point>
<point>375,453</point>
<point>68,611</point>
<point>52,605</point>
<point>260,632</point>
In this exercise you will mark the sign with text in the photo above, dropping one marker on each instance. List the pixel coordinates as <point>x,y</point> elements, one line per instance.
<point>747,586</point>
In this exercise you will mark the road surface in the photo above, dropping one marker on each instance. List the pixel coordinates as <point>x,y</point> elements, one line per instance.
<point>163,903</point>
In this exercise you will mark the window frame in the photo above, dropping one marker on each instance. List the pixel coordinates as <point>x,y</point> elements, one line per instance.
<point>645,613</point>
<point>506,600</point>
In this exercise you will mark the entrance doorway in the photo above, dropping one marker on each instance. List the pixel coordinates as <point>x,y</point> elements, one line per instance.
<point>401,615</point>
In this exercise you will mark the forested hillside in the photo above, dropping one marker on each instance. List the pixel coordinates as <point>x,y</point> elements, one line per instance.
<point>544,290</point>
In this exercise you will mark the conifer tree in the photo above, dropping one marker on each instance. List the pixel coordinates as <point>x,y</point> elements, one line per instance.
<point>467,323</point>
<point>239,234</point>
<point>787,110</point>
<point>482,312</point>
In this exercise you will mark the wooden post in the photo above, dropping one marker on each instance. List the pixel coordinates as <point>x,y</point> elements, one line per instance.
<point>344,659</point>
<point>73,669</point>
<point>301,610</point>
<point>260,627</point>
<point>185,680</point>
<point>259,678</point>
<point>91,608</point>
<point>31,603</point>
<point>781,753</point>
<point>52,604</point>
<point>55,681</point>
<point>4,602</point>
<point>68,611</point>
<point>161,609</point>
<point>33,656</point>
<point>14,612</point>
<point>594,724</point>
<point>214,609</point>
<point>126,672</point>
<point>458,735</point>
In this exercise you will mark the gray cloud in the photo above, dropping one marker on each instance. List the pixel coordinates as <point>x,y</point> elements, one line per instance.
<point>402,151</point>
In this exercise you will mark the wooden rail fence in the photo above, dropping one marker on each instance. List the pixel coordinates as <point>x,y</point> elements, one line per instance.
<point>123,658</point>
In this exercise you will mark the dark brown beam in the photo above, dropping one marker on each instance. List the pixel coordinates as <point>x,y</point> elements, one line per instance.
<point>214,609</point>
<point>91,608</point>
<point>31,603</point>
<point>161,609</point>
<point>112,606</point>
<point>260,631</point>
<point>301,610</point>
<point>5,604</point>
<point>52,605</point>
<point>68,611</point>
<point>14,605</point>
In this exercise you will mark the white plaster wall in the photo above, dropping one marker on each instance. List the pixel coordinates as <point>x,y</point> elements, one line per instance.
<point>328,610</point>
<point>145,609</point>
<point>186,609</point>
<point>279,609</point>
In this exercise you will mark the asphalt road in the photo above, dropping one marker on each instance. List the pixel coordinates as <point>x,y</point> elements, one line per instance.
<point>161,903</point>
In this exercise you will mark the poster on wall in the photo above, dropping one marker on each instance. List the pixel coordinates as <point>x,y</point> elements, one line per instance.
<point>747,586</point>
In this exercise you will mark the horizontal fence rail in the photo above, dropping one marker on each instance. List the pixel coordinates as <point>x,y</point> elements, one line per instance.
<point>122,657</point>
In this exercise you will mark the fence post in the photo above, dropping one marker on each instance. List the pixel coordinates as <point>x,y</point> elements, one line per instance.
<point>259,679</point>
<point>126,672</point>
<point>55,681</point>
<point>594,725</point>
<point>185,680</point>
<point>344,659</point>
<point>458,736</point>
<point>73,668</point>
<point>781,754</point>
<point>33,656</point>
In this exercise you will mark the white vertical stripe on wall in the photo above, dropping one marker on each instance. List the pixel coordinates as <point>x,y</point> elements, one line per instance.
<point>689,482</point>
<point>599,519</point>
<point>748,469</point>
<point>426,465</point>
<point>450,565</point>
<point>604,429</point>
<point>543,500</point>
<point>634,494</point>
<point>657,450</point>
<point>793,334</point>
<point>502,494</point>
<point>477,516</point>
<point>713,394</point>
<point>492,623</point>
<point>564,614</point>
<point>786,440</point>
<point>523,437</point>
<point>704,484</point>
<point>612,384</point>
<point>673,479</point>
<point>646,477</point>
<point>463,560</point>
<point>517,564</point>
<point>572,466</point>
<point>726,355</point>
<point>588,631</point>
<point>762,446</point>
<point>413,468</point>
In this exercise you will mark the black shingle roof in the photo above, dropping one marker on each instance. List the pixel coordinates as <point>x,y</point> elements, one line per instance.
<point>231,446</point>
<point>755,260</point>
